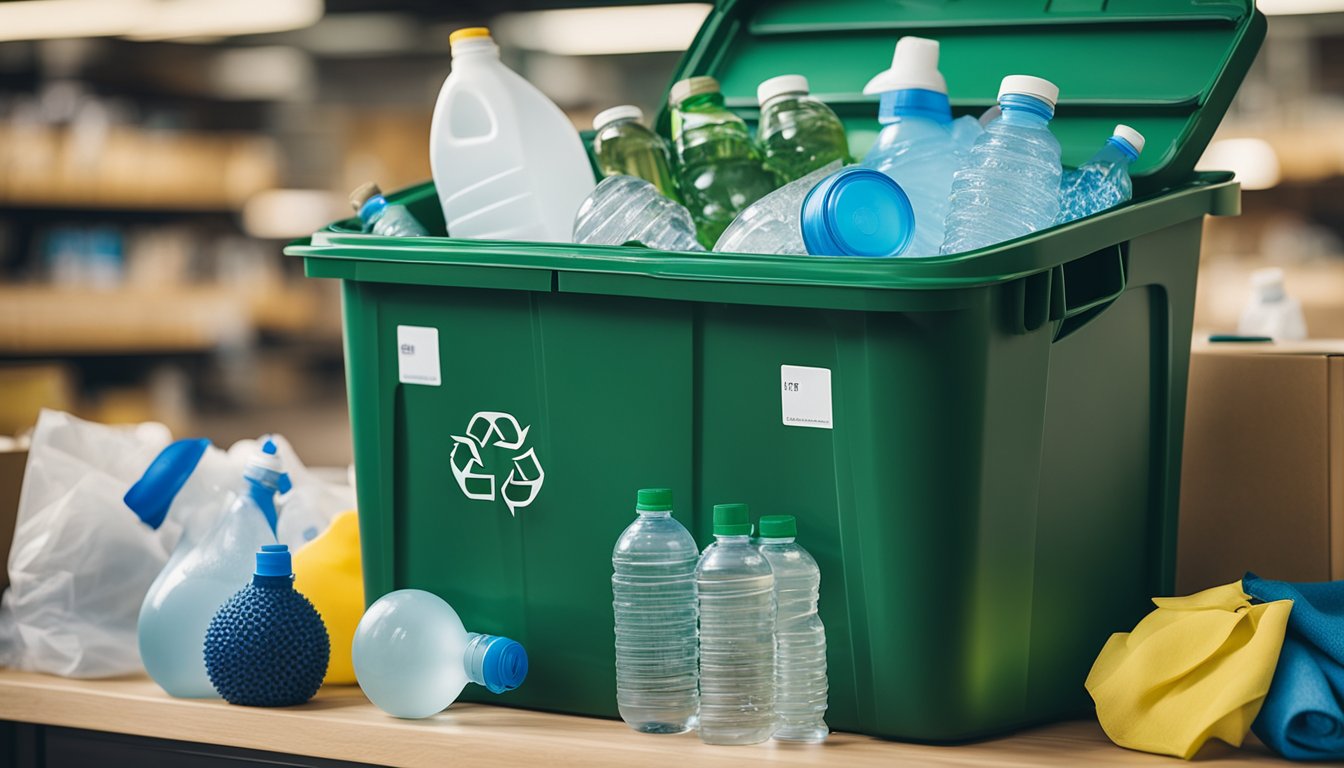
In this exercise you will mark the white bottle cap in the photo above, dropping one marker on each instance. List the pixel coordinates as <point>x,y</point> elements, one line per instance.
<point>779,86</point>
<point>1028,85</point>
<point>623,112</point>
<point>691,86</point>
<point>914,64</point>
<point>1130,135</point>
<point>1267,284</point>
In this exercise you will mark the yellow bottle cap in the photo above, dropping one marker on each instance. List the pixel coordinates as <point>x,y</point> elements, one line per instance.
<point>468,33</point>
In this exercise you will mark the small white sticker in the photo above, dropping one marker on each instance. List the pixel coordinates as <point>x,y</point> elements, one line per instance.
<point>418,355</point>
<point>805,396</point>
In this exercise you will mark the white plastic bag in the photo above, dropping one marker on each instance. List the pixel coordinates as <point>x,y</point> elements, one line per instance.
<point>81,562</point>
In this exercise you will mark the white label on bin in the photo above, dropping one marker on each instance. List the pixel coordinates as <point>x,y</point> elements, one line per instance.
<point>805,396</point>
<point>418,355</point>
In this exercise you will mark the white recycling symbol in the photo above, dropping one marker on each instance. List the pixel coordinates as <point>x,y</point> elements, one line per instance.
<point>500,430</point>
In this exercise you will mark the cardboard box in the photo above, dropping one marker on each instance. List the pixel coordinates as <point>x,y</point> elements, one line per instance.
<point>1262,484</point>
<point>12,463</point>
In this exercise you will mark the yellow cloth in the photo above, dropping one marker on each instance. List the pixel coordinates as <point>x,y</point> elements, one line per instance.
<point>1196,668</point>
<point>327,572</point>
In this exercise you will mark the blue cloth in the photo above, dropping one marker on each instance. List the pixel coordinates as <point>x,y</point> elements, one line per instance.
<point>1302,718</point>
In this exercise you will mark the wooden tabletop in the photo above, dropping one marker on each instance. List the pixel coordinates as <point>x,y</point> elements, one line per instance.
<point>341,724</point>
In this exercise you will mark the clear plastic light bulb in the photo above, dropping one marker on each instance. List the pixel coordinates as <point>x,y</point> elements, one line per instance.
<point>413,657</point>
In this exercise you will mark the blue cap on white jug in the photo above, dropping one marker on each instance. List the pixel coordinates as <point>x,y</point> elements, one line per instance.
<point>857,212</point>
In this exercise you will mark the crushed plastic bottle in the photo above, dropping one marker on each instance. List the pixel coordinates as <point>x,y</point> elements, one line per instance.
<point>381,217</point>
<point>1102,182</point>
<point>1009,186</point>
<point>829,212</point>
<point>920,145</point>
<point>800,638</point>
<point>187,593</point>
<point>797,132</point>
<point>413,657</point>
<point>719,167</point>
<point>507,163</point>
<point>624,147</point>
<point>653,597</point>
<point>737,634</point>
<point>1270,311</point>
<point>623,209</point>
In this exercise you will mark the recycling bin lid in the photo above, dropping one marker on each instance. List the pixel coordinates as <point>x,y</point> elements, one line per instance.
<point>1166,67</point>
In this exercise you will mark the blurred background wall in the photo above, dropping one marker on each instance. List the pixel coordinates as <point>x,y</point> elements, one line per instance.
<point>155,155</point>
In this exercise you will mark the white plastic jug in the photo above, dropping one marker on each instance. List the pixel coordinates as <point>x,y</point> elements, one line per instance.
<point>507,163</point>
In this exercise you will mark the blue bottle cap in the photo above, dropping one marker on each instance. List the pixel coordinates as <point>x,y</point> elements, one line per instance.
<point>153,493</point>
<point>857,212</point>
<point>273,560</point>
<point>498,663</point>
<point>371,208</point>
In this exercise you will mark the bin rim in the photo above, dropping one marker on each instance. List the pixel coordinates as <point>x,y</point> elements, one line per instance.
<point>1213,193</point>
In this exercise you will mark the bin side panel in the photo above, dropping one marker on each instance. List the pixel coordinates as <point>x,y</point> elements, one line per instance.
<point>1109,480</point>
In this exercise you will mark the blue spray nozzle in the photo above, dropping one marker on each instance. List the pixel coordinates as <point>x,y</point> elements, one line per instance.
<point>153,494</point>
<point>268,447</point>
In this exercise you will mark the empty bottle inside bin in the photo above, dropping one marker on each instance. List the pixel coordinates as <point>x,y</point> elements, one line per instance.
<point>624,147</point>
<point>1102,182</point>
<point>625,209</point>
<point>381,217</point>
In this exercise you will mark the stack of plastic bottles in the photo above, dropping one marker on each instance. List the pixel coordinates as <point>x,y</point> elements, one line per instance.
<point>508,164</point>
<point>728,642</point>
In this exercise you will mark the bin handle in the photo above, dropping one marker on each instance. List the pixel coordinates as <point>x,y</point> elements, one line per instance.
<point>1082,289</point>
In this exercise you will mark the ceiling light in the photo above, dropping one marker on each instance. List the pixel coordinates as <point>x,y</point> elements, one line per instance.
<point>1253,161</point>
<point>592,31</point>
<point>1293,7</point>
<point>153,19</point>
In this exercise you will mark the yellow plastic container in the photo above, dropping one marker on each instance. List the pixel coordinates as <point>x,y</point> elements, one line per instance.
<point>327,571</point>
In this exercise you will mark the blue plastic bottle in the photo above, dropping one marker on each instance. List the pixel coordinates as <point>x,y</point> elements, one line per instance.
<point>1009,186</point>
<point>413,657</point>
<point>1102,182</point>
<point>918,146</point>
<point>383,218</point>
<point>187,593</point>
<point>267,646</point>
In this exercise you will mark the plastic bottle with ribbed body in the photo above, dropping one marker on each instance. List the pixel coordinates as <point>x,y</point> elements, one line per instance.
<point>797,133</point>
<point>654,600</point>
<point>736,588</point>
<point>918,147</point>
<point>1009,186</point>
<point>623,209</point>
<point>184,598</point>
<point>800,638</point>
<point>1102,182</point>
<point>413,657</point>
<point>719,167</point>
<point>624,147</point>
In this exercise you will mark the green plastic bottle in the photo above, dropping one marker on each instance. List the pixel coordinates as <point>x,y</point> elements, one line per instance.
<point>719,168</point>
<point>624,147</point>
<point>798,133</point>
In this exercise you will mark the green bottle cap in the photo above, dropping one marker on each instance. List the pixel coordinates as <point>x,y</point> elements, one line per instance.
<point>654,500</point>
<point>778,527</point>
<point>731,520</point>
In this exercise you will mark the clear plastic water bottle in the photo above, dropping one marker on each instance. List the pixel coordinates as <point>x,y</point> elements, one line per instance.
<point>718,165</point>
<point>1009,185</point>
<point>381,217</point>
<point>798,133</point>
<point>1271,311</point>
<point>180,603</point>
<point>829,212</point>
<point>737,634</point>
<point>920,146</point>
<point>624,147</point>
<point>800,638</point>
<point>624,209</point>
<point>653,595</point>
<point>1102,182</point>
<point>413,657</point>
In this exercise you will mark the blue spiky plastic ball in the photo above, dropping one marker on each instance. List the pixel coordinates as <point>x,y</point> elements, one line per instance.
<point>267,646</point>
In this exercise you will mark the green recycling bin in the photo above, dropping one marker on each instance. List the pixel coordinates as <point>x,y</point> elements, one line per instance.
<point>982,450</point>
